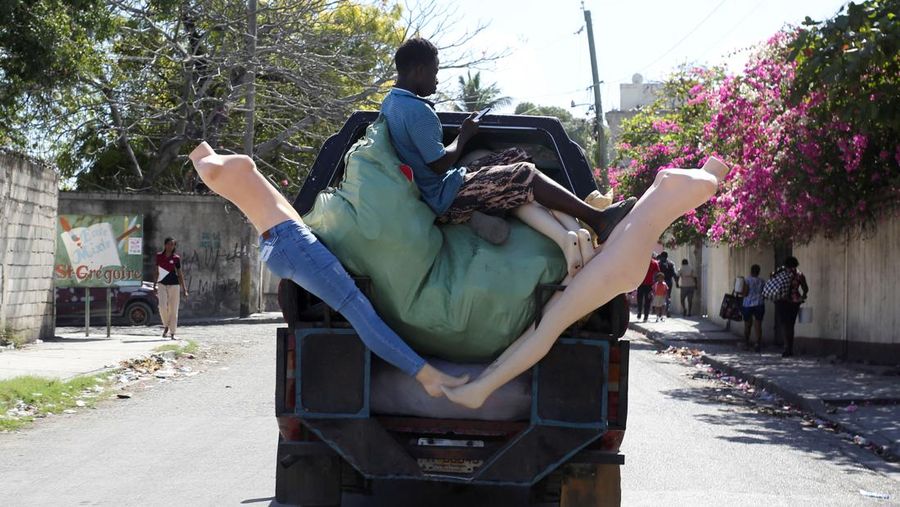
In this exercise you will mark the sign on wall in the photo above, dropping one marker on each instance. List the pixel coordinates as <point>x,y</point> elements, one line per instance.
<point>99,250</point>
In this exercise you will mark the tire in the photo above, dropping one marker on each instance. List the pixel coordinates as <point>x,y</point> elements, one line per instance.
<point>138,314</point>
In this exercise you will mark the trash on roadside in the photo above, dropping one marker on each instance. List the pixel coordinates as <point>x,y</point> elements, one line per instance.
<point>123,396</point>
<point>874,494</point>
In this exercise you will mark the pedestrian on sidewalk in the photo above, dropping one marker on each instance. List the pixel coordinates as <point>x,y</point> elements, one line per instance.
<point>754,307</point>
<point>788,306</point>
<point>668,270</point>
<point>686,281</point>
<point>170,278</point>
<point>643,291</point>
<point>660,293</point>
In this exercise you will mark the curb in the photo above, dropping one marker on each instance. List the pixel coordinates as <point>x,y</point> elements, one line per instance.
<point>812,405</point>
<point>222,321</point>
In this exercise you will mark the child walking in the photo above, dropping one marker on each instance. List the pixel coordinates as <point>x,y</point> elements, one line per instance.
<point>660,291</point>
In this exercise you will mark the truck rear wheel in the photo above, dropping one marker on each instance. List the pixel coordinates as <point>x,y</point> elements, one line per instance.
<point>310,480</point>
<point>591,485</point>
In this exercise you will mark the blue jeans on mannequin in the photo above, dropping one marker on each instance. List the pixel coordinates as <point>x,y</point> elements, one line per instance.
<point>290,250</point>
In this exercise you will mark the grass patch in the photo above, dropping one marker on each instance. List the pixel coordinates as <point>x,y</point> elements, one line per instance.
<point>10,337</point>
<point>190,348</point>
<point>23,399</point>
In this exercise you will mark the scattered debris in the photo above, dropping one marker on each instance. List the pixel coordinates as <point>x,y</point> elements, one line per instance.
<point>873,494</point>
<point>123,395</point>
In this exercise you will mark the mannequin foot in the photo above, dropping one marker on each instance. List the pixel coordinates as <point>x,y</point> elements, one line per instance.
<point>717,168</point>
<point>434,380</point>
<point>610,217</point>
<point>468,395</point>
<point>586,246</point>
<point>572,252</point>
<point>202,151</point>
<point>494,230</point>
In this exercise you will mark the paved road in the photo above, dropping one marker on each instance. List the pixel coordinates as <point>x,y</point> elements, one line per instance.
<point>210,440</point>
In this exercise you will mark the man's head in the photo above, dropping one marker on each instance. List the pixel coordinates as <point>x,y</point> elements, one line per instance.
<point>417,66</point>
<point>791,262</point>
<point>664,256</point>
<point>754,270</point>
<point>684,262</point>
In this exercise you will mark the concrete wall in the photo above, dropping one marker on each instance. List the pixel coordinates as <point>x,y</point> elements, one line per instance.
<point>853,295</point>
<point>209,232</point>
<point>28,201</point>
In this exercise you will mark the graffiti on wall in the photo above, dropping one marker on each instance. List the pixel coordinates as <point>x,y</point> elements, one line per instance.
<point>212,276</point>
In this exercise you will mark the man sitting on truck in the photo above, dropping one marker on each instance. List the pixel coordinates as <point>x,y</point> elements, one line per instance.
<point>454,193</point>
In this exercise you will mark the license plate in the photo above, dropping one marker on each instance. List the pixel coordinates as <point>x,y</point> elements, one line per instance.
<point>456,466</point>
<point>449,442</point>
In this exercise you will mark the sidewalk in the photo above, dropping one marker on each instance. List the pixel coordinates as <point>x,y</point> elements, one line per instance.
<point>70,353</point>
<point>821,386</point>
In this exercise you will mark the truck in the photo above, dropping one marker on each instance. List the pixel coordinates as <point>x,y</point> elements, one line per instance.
<point>341,427</point>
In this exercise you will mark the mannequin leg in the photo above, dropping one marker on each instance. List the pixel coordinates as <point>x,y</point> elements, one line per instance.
<point>539,218</point>
<point>610,272</point>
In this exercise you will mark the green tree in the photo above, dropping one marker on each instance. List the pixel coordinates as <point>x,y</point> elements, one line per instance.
<point>45,45</point>
<point>579,130</point>
<point>471,95</point>
<point>169,73</point>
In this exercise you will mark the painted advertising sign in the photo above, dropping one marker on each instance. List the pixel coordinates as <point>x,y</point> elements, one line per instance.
<point>99,250</point>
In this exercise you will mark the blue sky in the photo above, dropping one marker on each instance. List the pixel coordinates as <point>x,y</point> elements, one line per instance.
<point>550,63</point>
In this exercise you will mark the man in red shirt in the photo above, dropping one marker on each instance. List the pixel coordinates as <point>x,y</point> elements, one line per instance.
<point>643,290</point>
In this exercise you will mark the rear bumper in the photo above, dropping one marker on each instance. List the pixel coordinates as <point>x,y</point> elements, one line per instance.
<point>568,423</point>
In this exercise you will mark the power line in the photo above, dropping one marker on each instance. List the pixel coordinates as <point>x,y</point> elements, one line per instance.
<point>698,25</point>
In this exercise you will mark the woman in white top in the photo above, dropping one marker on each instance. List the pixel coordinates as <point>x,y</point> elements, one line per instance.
<point>687,282</point>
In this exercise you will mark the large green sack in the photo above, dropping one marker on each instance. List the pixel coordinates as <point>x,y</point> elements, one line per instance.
<point>447,292</point>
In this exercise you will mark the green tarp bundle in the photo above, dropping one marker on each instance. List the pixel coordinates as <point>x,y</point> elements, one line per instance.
<point>447,292</point>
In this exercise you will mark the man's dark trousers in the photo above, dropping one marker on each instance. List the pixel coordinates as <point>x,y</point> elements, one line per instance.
<point>643,300</point>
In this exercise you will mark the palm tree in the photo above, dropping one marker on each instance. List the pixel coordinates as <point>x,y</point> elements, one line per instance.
<point>473,97</point>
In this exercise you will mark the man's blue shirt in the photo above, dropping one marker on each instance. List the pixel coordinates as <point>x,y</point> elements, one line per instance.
<point>418,139</point>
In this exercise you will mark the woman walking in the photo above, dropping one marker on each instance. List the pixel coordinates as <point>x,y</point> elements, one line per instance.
<point>170,277</point>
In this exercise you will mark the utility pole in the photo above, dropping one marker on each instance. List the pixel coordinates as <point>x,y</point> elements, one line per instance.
<point>249,137</point>
<point>598,107</point>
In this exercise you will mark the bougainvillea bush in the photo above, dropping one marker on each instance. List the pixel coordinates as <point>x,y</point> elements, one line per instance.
<point>669,133</point>
<point>809,157</point>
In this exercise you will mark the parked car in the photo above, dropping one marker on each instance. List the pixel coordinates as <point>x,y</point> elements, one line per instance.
<point>133,305</point>
<point>562,443</point>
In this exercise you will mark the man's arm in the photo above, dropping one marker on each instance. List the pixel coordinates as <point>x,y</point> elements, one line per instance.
<point>455,149</point>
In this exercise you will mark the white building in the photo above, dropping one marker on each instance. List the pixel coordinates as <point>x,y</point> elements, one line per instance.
<point>632,97</point>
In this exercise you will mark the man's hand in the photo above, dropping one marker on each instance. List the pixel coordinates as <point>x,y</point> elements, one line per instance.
<point>453,151</point>
<point>469,128</point>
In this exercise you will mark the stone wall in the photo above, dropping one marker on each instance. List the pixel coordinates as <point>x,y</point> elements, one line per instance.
<point>28,202</point>
<point>211,235</point>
